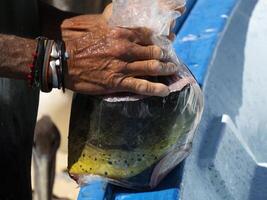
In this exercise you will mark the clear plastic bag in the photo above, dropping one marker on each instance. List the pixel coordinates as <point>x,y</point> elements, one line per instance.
<point>135,141</point>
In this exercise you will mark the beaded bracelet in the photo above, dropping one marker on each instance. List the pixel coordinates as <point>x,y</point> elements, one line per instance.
<point>48,66</point>
<point>33,76</point>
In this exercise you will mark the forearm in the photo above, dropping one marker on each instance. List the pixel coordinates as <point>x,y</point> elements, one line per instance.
<point>15,55</point>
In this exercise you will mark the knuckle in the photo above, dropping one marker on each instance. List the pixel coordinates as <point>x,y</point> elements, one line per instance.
<point>171,67</point>
<point>143,31</point>
<point>113,80</point>
<point>120,49</point>
<point>140,87</point>
<point>157,66</point>
<point>124,67</point>
<point>154,52</point>
<point>145,88</point>
<point>116,33</point>
<point>151,51</point>
<point>153,66</point>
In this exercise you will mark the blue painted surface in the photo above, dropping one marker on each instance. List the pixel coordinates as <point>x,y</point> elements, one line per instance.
<point>198,38</point>
<point>223,165</point>
<point>180,21</point>
<point>95,191</point>
<point>196,43</point>
<point>171,194</point>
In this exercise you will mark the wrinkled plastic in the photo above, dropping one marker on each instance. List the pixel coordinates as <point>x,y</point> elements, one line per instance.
<point>130,140</point>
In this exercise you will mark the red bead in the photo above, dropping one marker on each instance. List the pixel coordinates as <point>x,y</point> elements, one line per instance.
<point>29,76</point>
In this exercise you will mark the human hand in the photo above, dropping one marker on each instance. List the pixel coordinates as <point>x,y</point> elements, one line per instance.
<point>106,60</point>
<point>170,5</point>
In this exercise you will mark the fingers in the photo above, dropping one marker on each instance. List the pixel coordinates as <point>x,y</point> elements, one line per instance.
<point>152,52</point>
<point>181,9</point>
<point>140,36</point>
<point>107,13</point>
<point>172,37</point>
<point>143,87</point>
<point>131,52</point>
<point>150,68</point>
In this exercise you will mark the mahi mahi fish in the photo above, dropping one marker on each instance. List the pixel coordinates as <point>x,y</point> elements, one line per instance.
<point>124,137</point>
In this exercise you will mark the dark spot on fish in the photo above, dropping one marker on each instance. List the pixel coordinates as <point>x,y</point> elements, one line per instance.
<point>132,172</point>
<point>156,158</point>
<point>139,159</point>
<point>95,159</point>
<point>83,155</point>
<point>91,168</point>
<point>109,162</point>
<point>125,162</point>
<point>143,155</point>
<point>106,173</point>
<point>81,166</point>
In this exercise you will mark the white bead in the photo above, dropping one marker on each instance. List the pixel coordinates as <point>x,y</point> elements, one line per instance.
<point>54,52</point>
<point>53,63</point>
<point>57,62</point>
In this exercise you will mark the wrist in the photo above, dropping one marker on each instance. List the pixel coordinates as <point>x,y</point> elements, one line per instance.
<point>69,66</point>
<point>47,70</point>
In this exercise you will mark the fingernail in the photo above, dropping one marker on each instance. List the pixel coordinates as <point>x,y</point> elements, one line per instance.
<point>164,92</point>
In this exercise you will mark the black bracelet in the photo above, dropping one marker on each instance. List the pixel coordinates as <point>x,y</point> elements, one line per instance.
<point>49,65</point>
<point>46,86</point>
<point>63,62</point>
<point>34,76</point>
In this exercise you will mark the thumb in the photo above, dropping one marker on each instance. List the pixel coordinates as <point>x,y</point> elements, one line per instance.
<point>107,12</point>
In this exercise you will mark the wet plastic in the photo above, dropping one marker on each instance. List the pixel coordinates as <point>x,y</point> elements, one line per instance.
<point>130,140</point>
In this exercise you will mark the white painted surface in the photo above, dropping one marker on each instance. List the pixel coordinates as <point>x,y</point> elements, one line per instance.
<point>252,118</point>
<point>57,105</point>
